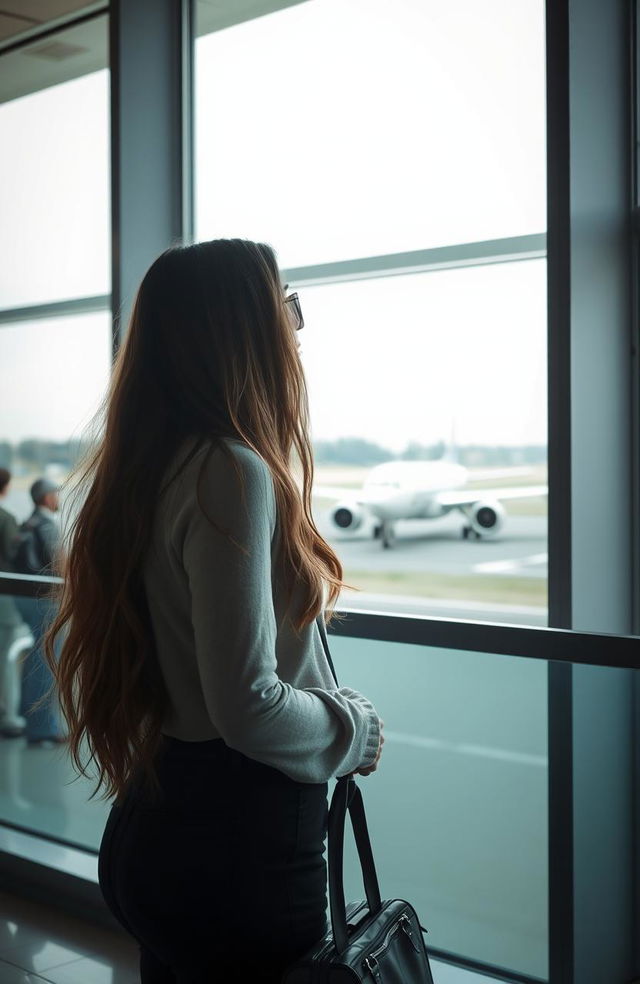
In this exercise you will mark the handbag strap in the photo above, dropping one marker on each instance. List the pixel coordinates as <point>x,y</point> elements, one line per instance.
<point>325,642</point>
<point>347,796</point>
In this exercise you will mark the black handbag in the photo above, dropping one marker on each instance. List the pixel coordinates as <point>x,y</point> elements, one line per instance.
<point>369,941</point>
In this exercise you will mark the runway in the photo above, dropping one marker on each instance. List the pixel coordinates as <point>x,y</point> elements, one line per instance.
<point>437,547</point>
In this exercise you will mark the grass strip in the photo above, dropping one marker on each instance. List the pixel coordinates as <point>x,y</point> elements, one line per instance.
<point>479,587</point>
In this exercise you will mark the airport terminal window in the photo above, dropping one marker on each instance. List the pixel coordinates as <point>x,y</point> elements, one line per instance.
<point>428,131</point>
<point>352,130</point>
<point>54,168</point>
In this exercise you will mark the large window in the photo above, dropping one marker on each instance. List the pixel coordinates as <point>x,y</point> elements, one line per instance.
<point>55,339</point>
<point>54,169</point>
<point>55,325</point>
<point>392,155</point>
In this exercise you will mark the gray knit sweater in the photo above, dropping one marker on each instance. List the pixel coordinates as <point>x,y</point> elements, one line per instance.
<point>232,663</point>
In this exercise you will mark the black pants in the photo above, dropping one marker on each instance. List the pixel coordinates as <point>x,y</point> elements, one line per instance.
<point>225,879</point>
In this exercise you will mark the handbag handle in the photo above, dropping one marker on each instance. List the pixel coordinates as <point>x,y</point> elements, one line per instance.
<point>347,797</point>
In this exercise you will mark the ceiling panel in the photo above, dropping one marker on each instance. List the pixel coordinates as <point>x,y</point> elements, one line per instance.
<point>12,25</point>
<point>41,10</point>
<point>17,16</point>
<point>65,55</point>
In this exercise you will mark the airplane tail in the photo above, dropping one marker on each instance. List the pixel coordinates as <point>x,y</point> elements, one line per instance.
<point>451,454</point>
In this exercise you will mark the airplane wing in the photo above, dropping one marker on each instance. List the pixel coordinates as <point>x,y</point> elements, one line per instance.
<point>482,474</point>
<point>466,497</point>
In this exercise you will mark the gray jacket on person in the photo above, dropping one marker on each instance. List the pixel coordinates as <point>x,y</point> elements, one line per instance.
<point>9,617</point>
<point>8,531</point>
<point>48,536</point>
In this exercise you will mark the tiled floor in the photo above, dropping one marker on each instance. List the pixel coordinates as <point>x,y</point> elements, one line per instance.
<point>39,944</point>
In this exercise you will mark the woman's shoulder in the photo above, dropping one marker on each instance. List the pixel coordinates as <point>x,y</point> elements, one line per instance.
<point>210,464</point>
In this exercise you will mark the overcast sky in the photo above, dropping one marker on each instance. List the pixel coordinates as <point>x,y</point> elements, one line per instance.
<point>333,129</point>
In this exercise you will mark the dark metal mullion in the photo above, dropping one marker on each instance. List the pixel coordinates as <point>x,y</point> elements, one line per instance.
<point>634,449</point>
<point>560,821</point>
<point>151,48</point>
<point>559,315</point>
<point>114,150</point>
<point>50,838</point>
<point>486,969</point>
<point>551,645</point>
<point>559,688</point>
<point>634,123</point>
<point>590,733</point>
<point>187,104</point>
<point>395,264</point>
<point>453,257</point>
<point>500,639</point>
<point>26,586</point>
<point>55,309</point>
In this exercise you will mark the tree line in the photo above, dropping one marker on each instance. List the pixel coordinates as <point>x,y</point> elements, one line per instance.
<point>35,454</point>
<point>358,451</point>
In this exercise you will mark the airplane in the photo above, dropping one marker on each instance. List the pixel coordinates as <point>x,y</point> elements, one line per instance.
<point>423,490</point>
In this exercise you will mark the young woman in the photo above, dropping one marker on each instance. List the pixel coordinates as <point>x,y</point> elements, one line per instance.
<point>192,665</point>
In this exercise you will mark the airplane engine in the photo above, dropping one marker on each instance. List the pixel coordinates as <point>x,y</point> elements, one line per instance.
<point>347,516</point>
<point>486,518</point>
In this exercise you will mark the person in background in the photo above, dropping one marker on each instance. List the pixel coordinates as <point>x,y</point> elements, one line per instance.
<point>44,522</point>
<point>43,723</point>
<point>12,627</point>
<point>8,524</point>
<point>193,590</point>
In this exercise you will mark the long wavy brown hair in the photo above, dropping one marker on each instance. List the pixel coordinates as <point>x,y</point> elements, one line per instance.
<point>210,352</point>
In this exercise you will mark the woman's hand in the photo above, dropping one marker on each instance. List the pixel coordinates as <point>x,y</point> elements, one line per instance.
<point>374,765</point>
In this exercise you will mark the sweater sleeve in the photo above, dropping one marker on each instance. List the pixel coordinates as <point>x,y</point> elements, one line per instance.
<point>309,734</point>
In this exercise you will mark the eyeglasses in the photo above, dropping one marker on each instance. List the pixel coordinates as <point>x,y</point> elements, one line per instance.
<point>297,310</point>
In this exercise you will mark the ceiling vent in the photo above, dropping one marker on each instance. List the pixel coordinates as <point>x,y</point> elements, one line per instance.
<point>55,51</point>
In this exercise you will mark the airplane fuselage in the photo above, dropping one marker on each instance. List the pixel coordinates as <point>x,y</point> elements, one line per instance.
<point>406,489</point>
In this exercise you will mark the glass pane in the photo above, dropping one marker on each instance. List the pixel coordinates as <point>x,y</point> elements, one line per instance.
<point>457,810</point>
<point>53,375</point>
<point>403,371</point>
<point>37,787</point>
<point>54,182</point>
<point>357,129</point>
